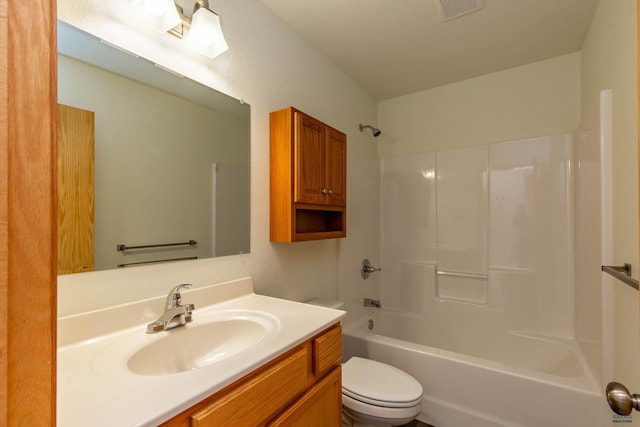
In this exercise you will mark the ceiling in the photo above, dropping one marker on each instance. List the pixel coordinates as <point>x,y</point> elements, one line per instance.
<point>397,47</point>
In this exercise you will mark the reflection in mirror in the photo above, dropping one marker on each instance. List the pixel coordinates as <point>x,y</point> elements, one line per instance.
<point>171,161</point>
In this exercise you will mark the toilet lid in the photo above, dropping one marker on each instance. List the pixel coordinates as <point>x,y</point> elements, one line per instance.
<point>379,383</point>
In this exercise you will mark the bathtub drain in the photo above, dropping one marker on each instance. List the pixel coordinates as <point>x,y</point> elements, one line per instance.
<point>370,324</point>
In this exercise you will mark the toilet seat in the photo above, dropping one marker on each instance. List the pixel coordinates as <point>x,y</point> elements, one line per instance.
<point>379,403</point>
<point>379,384</point>
<point>367,412</point>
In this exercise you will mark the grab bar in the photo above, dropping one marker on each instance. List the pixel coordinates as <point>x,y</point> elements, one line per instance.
<point>622,273</point>
<point>123,247</point>
<point>468,275</point>
<point>156,261</point>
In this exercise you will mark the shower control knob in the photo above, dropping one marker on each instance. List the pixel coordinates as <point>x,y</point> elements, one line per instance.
<point>366,269</point>
<point>620,400</point>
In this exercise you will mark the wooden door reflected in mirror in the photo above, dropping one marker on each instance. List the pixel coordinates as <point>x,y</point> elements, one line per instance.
<point>75,197</point>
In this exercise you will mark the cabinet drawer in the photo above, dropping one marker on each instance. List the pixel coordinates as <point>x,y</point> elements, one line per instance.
<point>327,350</point>
<point>247,405</point>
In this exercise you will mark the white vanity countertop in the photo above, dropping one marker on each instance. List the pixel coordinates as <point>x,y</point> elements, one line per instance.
<point>95,387</point>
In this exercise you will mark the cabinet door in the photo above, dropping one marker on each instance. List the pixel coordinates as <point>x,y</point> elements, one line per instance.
<point>320,406</point>
<point>336,167</point>
<point>260,397</point>
<point>309,159</point>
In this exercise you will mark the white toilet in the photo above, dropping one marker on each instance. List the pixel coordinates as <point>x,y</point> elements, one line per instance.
<point>375,394</point>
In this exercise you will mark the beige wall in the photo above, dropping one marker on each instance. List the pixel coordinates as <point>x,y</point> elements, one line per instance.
<point>609,61</point>
<point>538,99</point>
<point>270,68</point>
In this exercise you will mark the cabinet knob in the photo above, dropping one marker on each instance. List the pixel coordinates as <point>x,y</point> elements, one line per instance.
<point>326,191</point>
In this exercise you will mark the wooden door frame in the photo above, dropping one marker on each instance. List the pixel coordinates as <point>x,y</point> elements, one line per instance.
<point>28,80</point>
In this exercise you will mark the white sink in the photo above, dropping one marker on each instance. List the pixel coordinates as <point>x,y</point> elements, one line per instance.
<point>212,338</point>
<point>196,345</point>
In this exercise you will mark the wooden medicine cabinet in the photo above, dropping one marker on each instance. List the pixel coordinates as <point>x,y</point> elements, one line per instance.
<point>308,178</point>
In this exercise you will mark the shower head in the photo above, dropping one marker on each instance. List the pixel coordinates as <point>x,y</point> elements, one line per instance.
<point>376,132</point>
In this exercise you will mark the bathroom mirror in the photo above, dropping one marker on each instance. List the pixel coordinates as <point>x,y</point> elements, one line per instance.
<point>171,160</point>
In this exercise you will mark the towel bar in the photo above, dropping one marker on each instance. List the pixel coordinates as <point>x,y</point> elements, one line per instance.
<point>122,247</point>
<point>622,273</point>
<point>156,261</point>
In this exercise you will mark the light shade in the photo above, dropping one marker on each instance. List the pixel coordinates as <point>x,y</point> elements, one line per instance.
<point>160,15</point>
<point>205,35</point>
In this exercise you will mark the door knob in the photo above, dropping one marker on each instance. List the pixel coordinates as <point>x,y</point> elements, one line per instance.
<point>620,400</point>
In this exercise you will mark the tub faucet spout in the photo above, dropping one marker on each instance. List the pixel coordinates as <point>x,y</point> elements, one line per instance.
<point>368,302</point>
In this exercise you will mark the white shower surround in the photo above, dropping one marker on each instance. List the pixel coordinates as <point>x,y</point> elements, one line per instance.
<point>501,213</point>
<point>506,331</point>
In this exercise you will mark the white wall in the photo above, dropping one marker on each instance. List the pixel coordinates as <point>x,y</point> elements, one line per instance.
<point>538,99</point>
<point>269,67</point>
<point>609,61</point>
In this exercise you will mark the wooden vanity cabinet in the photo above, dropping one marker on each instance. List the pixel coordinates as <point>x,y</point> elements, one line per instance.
<point>302,387</point>
<point>308,178</point>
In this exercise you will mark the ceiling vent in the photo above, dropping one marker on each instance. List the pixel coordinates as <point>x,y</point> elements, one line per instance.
<point>451,9</point>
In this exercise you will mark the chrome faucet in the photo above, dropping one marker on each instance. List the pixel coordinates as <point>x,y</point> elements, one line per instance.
<point>175,314</point>
<point>366,268</point>
<point>368,302</point>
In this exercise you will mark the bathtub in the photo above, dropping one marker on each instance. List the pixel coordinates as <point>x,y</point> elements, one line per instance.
<point>472,378</point>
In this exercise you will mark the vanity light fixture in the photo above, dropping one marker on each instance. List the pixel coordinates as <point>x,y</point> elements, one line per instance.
<point>160,15</point>
<point>205,35</point>
<point>201,32</point>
